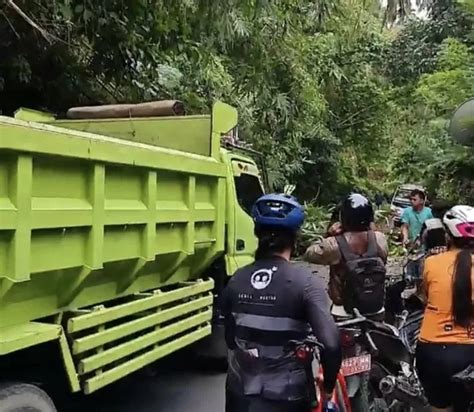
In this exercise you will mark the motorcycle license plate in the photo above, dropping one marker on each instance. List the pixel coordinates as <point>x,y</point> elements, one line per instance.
<point>356,365</point>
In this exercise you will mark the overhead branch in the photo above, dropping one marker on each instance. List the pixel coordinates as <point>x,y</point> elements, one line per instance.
<point>47,36</point>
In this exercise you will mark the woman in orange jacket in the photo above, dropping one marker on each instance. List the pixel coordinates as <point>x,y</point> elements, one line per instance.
<point>446,344</point>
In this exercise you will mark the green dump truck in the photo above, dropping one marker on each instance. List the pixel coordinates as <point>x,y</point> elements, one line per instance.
<point>116,237</point>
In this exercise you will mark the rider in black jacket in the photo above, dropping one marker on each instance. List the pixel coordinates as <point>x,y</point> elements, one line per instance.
<point>269,303</point>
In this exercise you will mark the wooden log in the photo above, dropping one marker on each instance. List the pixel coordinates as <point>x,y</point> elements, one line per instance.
<point>113,111</point>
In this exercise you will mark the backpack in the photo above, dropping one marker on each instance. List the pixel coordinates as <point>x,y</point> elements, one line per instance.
<point>364,280</point>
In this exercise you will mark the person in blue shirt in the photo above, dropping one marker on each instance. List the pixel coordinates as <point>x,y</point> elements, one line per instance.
<point>413,219</point>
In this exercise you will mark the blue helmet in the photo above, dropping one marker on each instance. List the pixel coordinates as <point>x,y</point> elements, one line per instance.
<point>278,210</point>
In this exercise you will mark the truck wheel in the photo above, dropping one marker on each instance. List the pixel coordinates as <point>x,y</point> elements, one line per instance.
<point>22,397</point>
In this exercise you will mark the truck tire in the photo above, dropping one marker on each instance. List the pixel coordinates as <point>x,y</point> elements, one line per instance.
<point>22,397</point>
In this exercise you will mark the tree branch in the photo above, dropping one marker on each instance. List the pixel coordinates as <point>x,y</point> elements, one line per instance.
<point>343,124</point>
<point>47,36</point>
<point>10,24</point>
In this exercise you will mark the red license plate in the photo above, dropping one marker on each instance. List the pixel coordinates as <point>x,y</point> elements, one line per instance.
<point>356,365</point>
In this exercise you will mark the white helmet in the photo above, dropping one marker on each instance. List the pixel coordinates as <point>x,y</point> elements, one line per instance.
<point>433,223</point>
<point>459,221</point>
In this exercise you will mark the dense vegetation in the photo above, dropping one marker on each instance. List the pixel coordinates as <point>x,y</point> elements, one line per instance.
<point>338,93</point>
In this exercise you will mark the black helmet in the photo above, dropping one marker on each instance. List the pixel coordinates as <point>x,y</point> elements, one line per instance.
<point>357,213</point>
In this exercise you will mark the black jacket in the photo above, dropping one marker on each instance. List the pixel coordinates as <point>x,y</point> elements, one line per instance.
<point>265,305</point>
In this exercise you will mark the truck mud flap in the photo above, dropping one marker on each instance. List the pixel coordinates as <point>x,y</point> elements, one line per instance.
<point>110,342</point>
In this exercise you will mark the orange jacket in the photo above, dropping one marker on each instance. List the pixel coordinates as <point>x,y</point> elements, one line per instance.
<point>438,325</point>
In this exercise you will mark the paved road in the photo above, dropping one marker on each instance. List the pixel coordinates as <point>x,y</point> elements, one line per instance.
<point>175,386</point>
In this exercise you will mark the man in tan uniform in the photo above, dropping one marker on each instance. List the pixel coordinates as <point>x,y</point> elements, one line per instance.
<point>356,224</point>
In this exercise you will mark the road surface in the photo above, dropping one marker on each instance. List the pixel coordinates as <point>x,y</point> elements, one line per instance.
<point>175,385</point>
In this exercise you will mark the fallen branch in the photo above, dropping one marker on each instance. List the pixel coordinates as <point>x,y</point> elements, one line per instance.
<point>47,36</point>
<point>10,24</point>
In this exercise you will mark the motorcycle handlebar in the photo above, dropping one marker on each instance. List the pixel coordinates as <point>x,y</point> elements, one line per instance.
<point>312,343</point>
<point>373,347</point>
<point>354,321</point>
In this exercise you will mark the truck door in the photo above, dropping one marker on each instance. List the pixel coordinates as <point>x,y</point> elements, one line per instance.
<point>244,189</point>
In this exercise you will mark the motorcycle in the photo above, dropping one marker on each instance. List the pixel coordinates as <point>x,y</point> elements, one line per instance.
<point>353,388</point>
<point>358,349</point>
<point>402,304</point>
<point>466,378</point>
<point>393,372</point>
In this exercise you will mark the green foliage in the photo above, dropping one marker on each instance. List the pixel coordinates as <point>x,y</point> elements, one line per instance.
<point>334,100</point>
<point>453,82</point>
<point>299,71</point>
<point>467,5</point>
<point>315,226</point>
<point>414,50</point>
<point>319,218</point>
<point>443,91</point>
<point>454,55</point>
<point>421,149</point>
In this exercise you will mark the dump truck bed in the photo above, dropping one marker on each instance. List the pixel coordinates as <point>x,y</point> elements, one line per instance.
<point>86,218</point>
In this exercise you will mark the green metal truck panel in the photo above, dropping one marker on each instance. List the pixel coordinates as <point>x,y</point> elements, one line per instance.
<point>85,218</point>
<point>113,341</point>
<point>17,337</point>
<point>164,132</point>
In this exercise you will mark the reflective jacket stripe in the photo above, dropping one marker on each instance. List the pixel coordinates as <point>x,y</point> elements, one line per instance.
<point>269,323</point>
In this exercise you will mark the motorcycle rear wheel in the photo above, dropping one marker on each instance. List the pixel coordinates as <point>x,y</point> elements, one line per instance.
<point>366,398</point>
